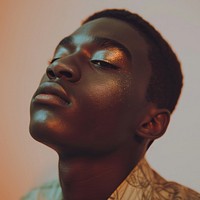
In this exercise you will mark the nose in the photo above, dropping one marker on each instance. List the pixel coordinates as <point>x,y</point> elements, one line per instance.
<point>63,70</point>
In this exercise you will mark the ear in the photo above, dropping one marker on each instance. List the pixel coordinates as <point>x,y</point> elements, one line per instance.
<point>154,124</point>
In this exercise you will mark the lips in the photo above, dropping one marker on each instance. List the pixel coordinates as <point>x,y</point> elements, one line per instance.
<point>51,93</point>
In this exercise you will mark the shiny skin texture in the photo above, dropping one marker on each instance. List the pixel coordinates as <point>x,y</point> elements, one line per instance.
<point>105,85</point>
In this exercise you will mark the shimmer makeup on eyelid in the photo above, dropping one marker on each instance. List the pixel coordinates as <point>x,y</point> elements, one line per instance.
<point>111,55</point>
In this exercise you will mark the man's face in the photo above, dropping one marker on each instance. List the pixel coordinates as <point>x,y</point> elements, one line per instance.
<point>94,94</point>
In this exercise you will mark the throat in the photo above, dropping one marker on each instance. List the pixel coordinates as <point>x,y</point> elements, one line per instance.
<point>98,176</point>
<point>89,179</point>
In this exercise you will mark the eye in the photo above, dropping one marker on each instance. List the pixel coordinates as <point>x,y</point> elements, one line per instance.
<point>103,64</point>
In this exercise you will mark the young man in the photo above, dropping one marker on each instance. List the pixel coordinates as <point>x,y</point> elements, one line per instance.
<point>107,94</point>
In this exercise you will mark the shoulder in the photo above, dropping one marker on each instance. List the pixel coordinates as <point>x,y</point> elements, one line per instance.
<point>48,191</point>
<point>171,189</point>
<point>145,183</point>
<point>180,192</point>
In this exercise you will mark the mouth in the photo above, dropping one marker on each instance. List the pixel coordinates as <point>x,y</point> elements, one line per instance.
<point>51,93</point>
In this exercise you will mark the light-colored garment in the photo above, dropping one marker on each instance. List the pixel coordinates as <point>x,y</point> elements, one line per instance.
<point>142,183</point>
<point>48,191</point>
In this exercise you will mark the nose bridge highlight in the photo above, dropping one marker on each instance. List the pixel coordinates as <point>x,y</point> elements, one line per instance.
<point>65,67</point>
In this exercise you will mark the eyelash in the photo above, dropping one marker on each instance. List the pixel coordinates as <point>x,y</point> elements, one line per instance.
<point>103,64</point>
<point>52,60</point>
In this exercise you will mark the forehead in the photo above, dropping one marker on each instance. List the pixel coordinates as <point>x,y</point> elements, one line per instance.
<point>113,29</point>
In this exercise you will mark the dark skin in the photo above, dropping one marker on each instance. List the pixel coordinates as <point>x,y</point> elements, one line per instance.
<point>91,108</point>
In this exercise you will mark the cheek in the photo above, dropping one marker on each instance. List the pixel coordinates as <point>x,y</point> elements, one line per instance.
<point>108,107</point>
<point>114,103</point>
<point>107,102</point>
<point>109,92</point>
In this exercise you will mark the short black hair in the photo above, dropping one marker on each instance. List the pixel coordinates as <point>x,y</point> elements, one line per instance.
<point>166,80</point>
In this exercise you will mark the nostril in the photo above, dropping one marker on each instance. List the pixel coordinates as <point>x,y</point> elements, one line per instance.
<point>66,74</point>
<point>51,74</point>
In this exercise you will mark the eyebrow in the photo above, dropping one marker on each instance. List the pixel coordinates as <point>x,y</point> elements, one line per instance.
<point>101,42</point>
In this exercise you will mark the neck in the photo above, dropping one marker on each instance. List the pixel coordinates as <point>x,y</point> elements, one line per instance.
<point>94,177</point>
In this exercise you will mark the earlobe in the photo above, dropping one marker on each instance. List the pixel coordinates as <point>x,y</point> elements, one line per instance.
<point>154,125</point>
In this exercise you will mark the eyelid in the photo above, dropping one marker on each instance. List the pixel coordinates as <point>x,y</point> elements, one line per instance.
<point>106,63</point>
<point>111,56</point>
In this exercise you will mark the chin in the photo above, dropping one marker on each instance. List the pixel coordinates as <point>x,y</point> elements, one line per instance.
<point>45,127</point>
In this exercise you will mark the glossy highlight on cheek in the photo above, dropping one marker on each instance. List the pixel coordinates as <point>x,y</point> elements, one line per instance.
<point>116,91</point>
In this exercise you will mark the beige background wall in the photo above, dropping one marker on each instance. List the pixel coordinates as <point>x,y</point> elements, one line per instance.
<point>29,31</point>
